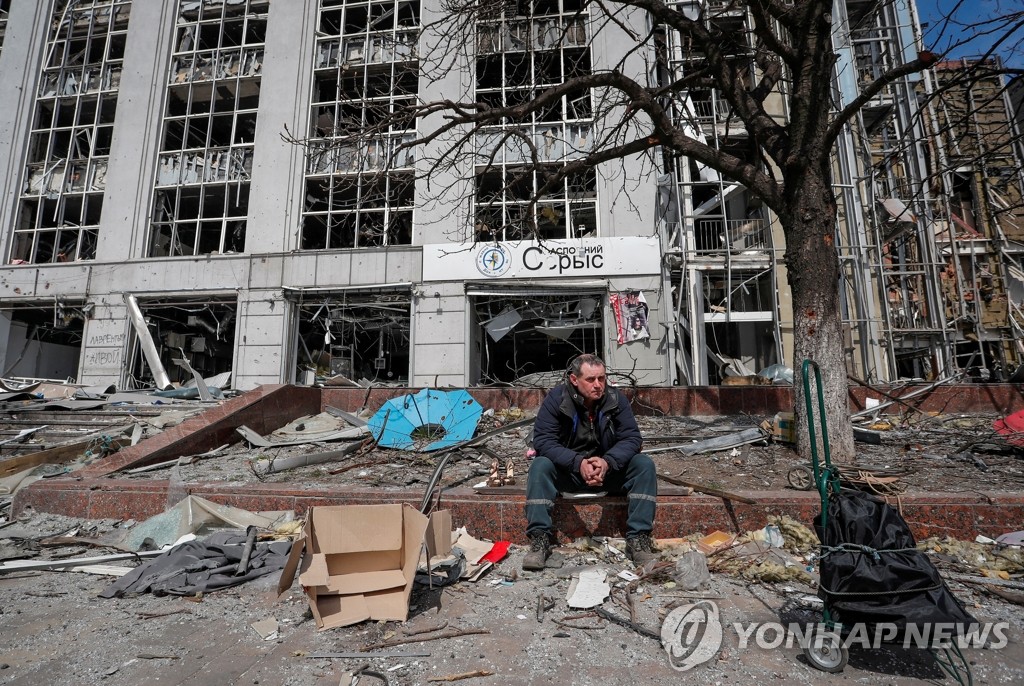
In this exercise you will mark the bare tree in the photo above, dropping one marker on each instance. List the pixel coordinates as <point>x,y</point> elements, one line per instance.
<point>776,77</point>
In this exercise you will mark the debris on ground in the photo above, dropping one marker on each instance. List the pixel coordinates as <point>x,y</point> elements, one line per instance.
<point>198,516</point>
<point>969,555</point>
<point>922,451</point>
<point>757,560</point>
<point>452,630</point>
<point>691,571</point>
<point>588,589</point>
<point>717,540</point>
<point>796,536</point>
<point>443,605</point>
<point>266,628</point>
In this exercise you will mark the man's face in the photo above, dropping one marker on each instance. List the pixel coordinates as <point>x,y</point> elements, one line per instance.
<point>590,382</point>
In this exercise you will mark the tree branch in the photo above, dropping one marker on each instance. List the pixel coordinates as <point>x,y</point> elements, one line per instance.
<point>923,61</point>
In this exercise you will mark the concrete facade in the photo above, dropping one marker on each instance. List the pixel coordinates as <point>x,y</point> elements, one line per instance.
<point>223,196</point>
<point>263,282</point>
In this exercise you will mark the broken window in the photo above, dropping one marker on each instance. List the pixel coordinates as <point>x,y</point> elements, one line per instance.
<point>962,202</point>
<point>740,332</point>
<point>42,340</point>
<point>739,290</point>
<point>915,361</point>
<point>521,52</point>
<point>203,331</point>
<point>359,190</point>
<point>363,337</point>
<point>982,360</point>
<point>66,166</point>
<point>201,202</point>
<point>872,50</point>
<point>529,339</point>
<point>740,348</point>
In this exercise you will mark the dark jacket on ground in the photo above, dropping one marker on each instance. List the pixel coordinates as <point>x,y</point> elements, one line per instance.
<point>565,435</point>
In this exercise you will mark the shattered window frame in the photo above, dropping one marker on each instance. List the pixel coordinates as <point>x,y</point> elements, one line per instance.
<point>61,197</point>
<point>520,52</point>
<point>53,322</point>
<point>359,187</point>
<point>207,142</point>
<point>738,290</point>
<point>357,334</point>
<point>739,317</point>
<point>534,346</point>
<point>180,323</point>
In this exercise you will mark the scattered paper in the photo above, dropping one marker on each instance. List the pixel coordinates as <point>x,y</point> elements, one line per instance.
<point>266,628</point>
<point>589,589</point>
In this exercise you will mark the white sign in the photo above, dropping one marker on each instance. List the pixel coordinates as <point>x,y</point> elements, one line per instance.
<point>581,257</point>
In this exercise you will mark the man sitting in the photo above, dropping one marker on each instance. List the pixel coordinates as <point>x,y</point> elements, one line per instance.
<point>587,439</point>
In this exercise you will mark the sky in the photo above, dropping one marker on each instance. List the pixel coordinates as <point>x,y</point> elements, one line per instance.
<point>969,28</point>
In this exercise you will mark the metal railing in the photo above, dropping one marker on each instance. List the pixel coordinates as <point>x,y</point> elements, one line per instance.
<point>735,236</point>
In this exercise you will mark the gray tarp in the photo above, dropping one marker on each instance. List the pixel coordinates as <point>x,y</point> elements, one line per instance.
<point>201,567</point>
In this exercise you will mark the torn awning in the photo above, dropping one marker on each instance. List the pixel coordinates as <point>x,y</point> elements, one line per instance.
<point>452,415</point>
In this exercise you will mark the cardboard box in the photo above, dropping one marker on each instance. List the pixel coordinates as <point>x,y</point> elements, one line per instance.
<point>784,427</point>
<point>358,562</point>
<point>716,540</point>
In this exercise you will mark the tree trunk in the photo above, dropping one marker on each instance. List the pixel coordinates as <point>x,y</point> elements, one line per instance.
<point>813,264</point>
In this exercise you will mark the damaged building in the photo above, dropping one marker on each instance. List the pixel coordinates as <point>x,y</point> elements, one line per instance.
<point>165,212</point>
<point>981,241</point>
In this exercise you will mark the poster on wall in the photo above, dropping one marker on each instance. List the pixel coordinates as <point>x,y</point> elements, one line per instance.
<point>630,308</point>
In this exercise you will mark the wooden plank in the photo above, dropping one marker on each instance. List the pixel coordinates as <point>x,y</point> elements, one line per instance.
<point>102,570</point>
<point>706,490</point>
<point>56,455</point>
<point>23,434</point>
<point>25,565</point>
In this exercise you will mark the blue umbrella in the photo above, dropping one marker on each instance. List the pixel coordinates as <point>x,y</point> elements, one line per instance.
<point>402,421</point>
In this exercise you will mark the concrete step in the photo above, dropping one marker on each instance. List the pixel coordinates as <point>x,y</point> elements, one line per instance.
<point>501,516</point>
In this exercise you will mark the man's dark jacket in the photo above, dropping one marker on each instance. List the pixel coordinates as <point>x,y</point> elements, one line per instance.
<point>565,434</point>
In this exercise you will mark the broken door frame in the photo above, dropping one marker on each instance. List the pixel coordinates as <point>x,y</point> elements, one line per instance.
<point>172,300</point>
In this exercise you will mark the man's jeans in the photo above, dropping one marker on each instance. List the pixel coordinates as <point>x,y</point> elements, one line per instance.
<point>639,481</point>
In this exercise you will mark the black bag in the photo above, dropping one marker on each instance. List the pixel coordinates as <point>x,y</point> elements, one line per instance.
<point>871,572</point>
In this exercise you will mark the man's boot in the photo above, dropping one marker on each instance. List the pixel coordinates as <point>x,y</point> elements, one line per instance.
<point>540,548</point>
<point>640,549</point>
